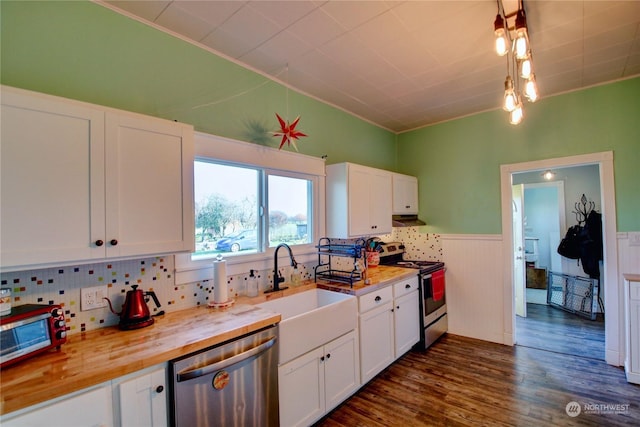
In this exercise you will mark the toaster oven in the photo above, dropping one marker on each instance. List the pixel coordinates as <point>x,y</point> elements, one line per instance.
<point>30,329</point>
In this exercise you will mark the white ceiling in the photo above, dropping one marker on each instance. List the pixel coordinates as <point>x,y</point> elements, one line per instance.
<point>407,64</point>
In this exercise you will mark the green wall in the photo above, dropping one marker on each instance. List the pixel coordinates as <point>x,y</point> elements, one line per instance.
<point>83,51</point>
<point>458,162</point>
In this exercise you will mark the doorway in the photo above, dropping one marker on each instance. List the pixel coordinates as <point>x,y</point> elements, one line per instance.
<point>604,163</point>
<point>545,216</point>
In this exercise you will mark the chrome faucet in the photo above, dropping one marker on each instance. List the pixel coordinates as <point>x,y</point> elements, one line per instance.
<point>277,278</point>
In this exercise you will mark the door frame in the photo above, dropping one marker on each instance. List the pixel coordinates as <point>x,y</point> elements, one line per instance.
<point>613,306</point>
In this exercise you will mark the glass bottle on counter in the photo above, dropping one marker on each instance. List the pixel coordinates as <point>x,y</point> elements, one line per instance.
<point>252,285</point>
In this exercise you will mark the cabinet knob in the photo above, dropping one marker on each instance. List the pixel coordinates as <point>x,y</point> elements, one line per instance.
<point>99,243</point>
<point>377,299</point>
<point>113,242</point>
<point>322,358</point>
<point>407,207</point>
<point>159,389</point>
<point>328,355</point>
<point>407,286</point>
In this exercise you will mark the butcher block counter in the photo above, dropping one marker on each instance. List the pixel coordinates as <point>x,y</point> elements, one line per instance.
<point>90,358</point>
<point>377,277</point>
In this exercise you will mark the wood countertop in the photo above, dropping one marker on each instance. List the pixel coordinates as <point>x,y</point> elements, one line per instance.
<point>632,277</point>
<point>91,358</point>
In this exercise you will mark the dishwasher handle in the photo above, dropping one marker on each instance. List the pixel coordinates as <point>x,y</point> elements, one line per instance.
<point>252,352</point>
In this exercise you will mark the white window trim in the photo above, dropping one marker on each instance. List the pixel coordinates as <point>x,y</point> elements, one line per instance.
<point>243,153</point>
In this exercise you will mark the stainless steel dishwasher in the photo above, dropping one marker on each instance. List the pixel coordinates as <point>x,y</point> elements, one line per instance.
<point>232,384</point>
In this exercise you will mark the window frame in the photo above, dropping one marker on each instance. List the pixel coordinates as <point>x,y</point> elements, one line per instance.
<point>269,161</point>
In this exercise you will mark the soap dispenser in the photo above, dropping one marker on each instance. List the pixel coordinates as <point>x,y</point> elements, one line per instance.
<point>252,284</point>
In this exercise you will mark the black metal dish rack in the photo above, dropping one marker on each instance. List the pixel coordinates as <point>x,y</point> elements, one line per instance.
<point>325,270</point>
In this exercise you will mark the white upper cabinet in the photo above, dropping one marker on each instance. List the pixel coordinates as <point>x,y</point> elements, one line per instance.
<point>149,182</point>
<point>358,201</point>
<point>405,194</point>
<point>82,182</point>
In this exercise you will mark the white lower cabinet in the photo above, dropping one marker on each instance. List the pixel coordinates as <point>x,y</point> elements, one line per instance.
<point>137,400</point>
<point>91,407</point>
<point>376,332</point>
<point>316,382</point>
<point>406,314</point>
<point>141,398</point>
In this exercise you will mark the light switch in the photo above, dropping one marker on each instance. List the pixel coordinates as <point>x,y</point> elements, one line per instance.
<point>634,238</point>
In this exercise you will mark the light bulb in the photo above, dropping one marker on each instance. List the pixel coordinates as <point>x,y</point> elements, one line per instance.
<point>501,43</point>
<point>510,98</point>
<point>522,42</point>
<point>548,175</point>
<point>522,46</point>
<point>531,89</point>
<point>501,36</point>
<point>526,68</point>
<point>516,115</point>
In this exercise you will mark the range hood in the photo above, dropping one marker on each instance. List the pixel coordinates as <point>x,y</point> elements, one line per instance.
<point>406,221</point>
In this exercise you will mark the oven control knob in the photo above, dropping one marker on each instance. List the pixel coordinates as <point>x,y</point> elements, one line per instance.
<point>56,312</point>
<point>59,324</point>
<point>61,334</point>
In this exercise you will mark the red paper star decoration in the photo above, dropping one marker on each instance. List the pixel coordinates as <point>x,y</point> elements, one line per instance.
<point>288,132</point>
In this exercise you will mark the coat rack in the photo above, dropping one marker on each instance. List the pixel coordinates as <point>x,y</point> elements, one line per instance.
<point>581,210</point>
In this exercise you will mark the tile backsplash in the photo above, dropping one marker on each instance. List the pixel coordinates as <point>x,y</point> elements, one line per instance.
<point>61,285</point>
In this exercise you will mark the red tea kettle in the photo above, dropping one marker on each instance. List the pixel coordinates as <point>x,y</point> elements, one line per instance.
<point>135,313</point>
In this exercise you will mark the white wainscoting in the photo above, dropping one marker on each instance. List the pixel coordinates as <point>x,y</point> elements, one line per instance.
<point>476,299</point>
<point>474,281</point>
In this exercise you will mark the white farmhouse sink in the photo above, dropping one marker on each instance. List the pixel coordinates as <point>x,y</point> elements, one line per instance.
<point>311,319</point>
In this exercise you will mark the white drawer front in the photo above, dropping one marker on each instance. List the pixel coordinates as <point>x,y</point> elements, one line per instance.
<point>375,299</point>
<point>405,286</point>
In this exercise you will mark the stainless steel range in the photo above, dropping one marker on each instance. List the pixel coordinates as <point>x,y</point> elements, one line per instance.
<point>433,307</point>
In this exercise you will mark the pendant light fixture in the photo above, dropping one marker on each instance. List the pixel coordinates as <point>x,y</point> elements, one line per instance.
<point>513,42</point>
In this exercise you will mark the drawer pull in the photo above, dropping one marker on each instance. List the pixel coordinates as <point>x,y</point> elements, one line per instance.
<point>377,299</point>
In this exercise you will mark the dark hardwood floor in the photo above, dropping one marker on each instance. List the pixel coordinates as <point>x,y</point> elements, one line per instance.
<point>552,329</point>
<point>466,382</point>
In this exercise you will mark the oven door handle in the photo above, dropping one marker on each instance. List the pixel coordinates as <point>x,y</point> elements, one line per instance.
<point>251,353</point>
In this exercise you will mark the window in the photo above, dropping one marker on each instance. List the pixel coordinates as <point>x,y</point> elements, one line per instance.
<point>229,206</point>
<point>226,209</point>
<point>248,199</point>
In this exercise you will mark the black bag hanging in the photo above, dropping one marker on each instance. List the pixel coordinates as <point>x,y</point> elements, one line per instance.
<point>570,245</point>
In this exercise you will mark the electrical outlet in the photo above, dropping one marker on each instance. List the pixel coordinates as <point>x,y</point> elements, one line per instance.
<point>93,297</point>
<point>634,238</point>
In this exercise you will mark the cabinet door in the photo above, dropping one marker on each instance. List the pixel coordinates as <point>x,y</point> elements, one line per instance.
<point>376,341</point>
<point>407,322</point>
<point>149,182</point>
<point>143,400</point>
<point>359,201</point>
<point>341,369</point>
<point>405,194</point>
<point>52,178</point>
<point>87,408</point>
<point>381,202</point>
<point>301,390</point>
